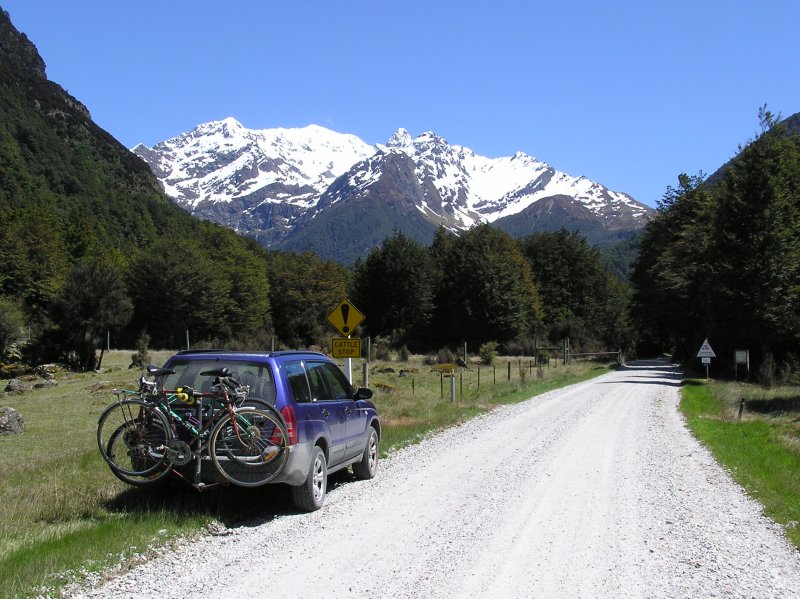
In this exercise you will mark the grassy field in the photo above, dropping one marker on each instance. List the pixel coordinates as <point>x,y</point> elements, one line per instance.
<point>62,512</point>
<point>762,449</point>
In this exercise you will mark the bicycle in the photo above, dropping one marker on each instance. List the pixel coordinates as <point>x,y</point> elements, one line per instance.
<point>149,433</point>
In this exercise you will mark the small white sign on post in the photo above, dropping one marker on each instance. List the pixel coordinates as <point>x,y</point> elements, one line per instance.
<point>706,351</point>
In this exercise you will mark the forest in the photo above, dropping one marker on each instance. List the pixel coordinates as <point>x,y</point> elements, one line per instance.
<point>95,255</point>
<point>722,259</point>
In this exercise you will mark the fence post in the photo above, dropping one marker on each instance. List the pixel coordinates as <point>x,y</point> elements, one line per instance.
<point>509,370</point>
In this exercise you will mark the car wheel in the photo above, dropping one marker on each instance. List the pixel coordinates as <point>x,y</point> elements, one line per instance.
<point>368,466</point>
<point>311,494</point>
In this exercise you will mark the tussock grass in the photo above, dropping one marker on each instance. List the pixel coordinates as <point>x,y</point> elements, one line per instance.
<point>63,513</point>
<point>762,450</point>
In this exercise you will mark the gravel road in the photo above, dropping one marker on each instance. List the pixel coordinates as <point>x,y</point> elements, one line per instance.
<point>596,490</point>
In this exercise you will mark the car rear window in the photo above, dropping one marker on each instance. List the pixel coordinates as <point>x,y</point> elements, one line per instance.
<point>257,376</point>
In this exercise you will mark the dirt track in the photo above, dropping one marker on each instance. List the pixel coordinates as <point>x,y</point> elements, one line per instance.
<point>597,490</point>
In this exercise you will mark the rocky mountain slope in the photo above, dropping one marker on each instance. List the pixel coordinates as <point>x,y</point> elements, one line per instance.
<point>312,188</point>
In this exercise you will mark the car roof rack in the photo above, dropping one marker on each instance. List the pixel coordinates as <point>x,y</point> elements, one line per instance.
<point>206,351</point>
<point>276,354</point>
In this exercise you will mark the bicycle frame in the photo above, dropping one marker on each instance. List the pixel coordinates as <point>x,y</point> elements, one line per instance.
<point>197,427</point>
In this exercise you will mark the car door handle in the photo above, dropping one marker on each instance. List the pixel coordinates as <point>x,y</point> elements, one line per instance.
<point>325,413</point>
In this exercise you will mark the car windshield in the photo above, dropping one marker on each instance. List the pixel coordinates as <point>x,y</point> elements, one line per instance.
<point>257,376</point>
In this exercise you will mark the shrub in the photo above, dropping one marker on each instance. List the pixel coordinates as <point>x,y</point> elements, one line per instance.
<point>488,352</point>
<point>142,356</point>
<point>380,350</point>
<point>766,374</point>
<point>11,324</point>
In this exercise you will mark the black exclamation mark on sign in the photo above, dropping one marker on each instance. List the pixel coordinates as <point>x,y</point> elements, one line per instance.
<point>345,314</point>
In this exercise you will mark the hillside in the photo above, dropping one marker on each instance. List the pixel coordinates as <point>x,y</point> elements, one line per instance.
<point>312,188</point>
<point>84,220</point>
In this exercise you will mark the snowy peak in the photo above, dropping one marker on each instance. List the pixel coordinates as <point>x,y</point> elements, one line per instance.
<point>268,183</point>
<point>223,161</point>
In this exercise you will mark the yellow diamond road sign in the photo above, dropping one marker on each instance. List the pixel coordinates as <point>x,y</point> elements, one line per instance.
<point>345,317</point>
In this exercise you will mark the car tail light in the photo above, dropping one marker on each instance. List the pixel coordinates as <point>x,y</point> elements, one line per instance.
<point>287,412</point>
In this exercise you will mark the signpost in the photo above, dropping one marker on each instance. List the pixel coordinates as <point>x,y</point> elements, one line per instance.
<point>342,347</point>
<point>345,317</point>
<point>741,358</point>
<point>706,353</point>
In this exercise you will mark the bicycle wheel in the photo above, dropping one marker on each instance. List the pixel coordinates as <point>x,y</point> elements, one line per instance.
<point>251,447</point>
<point>132,435</point>
<point>151,478</point>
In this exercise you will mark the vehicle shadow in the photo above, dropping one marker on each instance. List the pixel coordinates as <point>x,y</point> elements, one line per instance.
<point>231,505</point>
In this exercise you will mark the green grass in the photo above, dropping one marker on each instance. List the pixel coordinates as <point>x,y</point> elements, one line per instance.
<point>762,450</point>
<point>63,513</point>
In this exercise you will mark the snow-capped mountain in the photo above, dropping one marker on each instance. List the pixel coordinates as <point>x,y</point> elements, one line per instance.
<point>271,184</point>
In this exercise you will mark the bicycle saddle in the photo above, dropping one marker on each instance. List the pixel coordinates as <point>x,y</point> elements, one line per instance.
<point>156,371</point>
<point>220,372</point>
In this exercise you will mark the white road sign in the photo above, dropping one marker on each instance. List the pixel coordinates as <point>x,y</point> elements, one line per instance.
<point>706,351</point>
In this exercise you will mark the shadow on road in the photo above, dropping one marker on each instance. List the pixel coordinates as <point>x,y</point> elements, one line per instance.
<point>231,505</point>
<point>651,372</point>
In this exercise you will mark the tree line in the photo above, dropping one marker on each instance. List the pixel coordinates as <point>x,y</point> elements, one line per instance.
<point>722,260</point>
<point>475,287</point>
<point>90,245</point>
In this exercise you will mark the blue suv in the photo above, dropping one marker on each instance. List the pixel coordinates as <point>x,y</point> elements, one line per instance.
<point>331,425</point>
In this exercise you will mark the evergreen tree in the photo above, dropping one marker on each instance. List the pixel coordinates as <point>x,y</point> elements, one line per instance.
<point>580,298</point>
<point>176,288</point>
<point>485,290</point>
<point>723,261</point>
<point>393,288</point>
<point>92,302</point>
<point>303,291</point>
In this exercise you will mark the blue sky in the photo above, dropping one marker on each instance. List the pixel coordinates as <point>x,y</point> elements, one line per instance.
<point>628,93</point>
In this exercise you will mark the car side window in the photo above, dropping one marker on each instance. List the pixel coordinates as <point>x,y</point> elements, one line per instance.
<point>296,375</point>
<point>316,378</point>
<point>336,382</point>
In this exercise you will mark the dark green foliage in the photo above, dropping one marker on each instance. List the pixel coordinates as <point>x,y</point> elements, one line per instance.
<point>723,261</point>
<point>69,193</point>
<point>619,256</point>
<point>485,288</point>
<point>11,323</point>
<point>581,299</point>
<point>92,302</point>
<point>176,287</point>
<point>394,285</point>
<point>303,291</point>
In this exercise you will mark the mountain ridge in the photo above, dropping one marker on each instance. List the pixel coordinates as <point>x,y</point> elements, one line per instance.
<point>272,184</point>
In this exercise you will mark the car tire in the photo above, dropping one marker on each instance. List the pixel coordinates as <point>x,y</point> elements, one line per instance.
<point>368,466</point>
<point>310,496</point>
